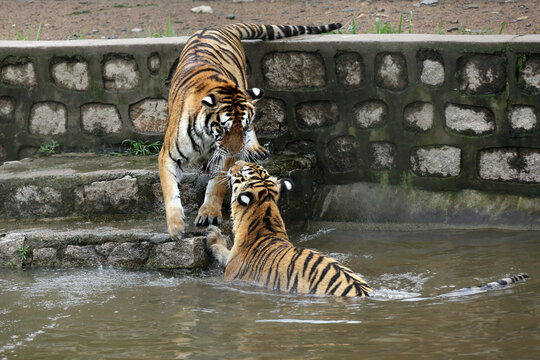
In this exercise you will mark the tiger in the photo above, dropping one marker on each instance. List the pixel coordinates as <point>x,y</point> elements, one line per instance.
<point>211,111</point>
<point>262,253</point>
<point>494,285</point>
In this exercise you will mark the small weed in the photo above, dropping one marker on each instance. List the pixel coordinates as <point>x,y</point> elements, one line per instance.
<point>169,33</point>
<point>23,252</point>
<point>139,148</point>
<point>24,37</point>
<point>439,29</point>
<point>502,27</point>
<point>406,181</point>
<point>49,149</point>
<point>383,181</point>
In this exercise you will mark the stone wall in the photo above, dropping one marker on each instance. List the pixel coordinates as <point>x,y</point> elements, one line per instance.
<point>441,113</point>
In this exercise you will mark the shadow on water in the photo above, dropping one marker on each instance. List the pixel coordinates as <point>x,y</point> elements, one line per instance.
<point>96,313</point>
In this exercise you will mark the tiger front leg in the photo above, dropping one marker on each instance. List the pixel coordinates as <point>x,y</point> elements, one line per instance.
<point>255,150</point>
<point>216,244</point>
<point>170,175</point>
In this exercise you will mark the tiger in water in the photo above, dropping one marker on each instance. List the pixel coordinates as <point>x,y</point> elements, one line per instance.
<point>210,114</point>
<point>262,253</point>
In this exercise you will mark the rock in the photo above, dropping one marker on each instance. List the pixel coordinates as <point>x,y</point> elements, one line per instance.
<point>429,2</point>
<point>136,30</point>
<point>9,256</point>
<point>472,6</point>
<point>44,257</point>
<point>188,253</point>
<point>129,255</point>
<point>203,9</point>
<point>230,16</point>
<point>455,21</point>
<point>455,28</point>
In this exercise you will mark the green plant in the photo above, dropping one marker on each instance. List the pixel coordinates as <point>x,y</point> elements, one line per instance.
<point>502,27</point>
<point>22,36</point>
<point>49,149</point>
<point>406,180</point>
<point>23,252</point>
<point>139,148</point>
<point>170,31</point>
<point>384,180</point>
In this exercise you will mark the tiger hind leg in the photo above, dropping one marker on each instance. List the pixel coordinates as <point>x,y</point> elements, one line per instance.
<point>217,245</point>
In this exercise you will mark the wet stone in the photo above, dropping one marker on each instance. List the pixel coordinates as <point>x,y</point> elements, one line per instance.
<point>522,118</point>
<point>121,74</point>
<point>150,115</point>
<point>381,155</point>
<point>100,119</point>
<point>119,195</point>
<point>432,73</point>
<point>30,201</point>
<point>342,154</point>
<point>7,106</point>
<point>436,161</point>
<point>293,70</point>
<point>530,74</point>
<point>510,164</point>
<point>48,118</point>
<point>71,75</point>
<point>270,117</point>
<point>483,74</point>
<point>418,116</point>
<point>9,243</point>
<point>129,255</point>
<point>44,257</point>
<point>85,255</point>
<point>391,71</point>
<point>3,153</point>
<point>189,253</point>
<point>469,120</point>
<point>317,114</point>
<point>19,75</point>
<point>370,114</point>
<point>349,69</point>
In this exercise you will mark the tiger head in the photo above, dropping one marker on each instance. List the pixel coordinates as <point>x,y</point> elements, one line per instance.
<point>251,184</point>
<point>229,115</point>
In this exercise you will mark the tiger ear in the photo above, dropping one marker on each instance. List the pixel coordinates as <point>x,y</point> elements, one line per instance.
<point>209,101</point>
<point>286,185</point>
<point>255,93</point>
<point>245,198</point>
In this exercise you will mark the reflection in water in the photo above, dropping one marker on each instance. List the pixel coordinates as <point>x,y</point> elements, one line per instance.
<point>97,313</point>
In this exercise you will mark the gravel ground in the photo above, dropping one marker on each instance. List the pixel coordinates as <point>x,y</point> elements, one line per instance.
<point>95,19</point>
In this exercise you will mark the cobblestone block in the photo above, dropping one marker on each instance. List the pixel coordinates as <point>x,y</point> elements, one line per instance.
<point>7,106</point>
<point>483,74</point>
<point>510,164</point>
<point>391,71</point>
<point>432,72</point>
<point>418,116</point>
<point>100,119</point>
<point>154,63</point>
<point>9,256</point>
<point>19,74</point>
<point>349,69</point>
<point>44,257</point>
<point>469,120</point>
<point>522,118</point>
<point>121,74</point>
<point>370,114</point>
<point>30,201</point>
<point>530,75</point>
<point>119,195</point>
<point>270,117</point>
<point>189,253</point>
<point>85,255</point>
<point>150,115</point>
<point>48,118</point>
<point>381,155</point>
<point>73,75</point>
<point>293,70</point>
<point>436,161</point>
<point>129,255</point>
<point>317,114</point>
<point>342,154</point>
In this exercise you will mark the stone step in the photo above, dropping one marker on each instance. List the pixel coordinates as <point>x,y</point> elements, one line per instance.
<point>101,184</point>
<point>134,242</point>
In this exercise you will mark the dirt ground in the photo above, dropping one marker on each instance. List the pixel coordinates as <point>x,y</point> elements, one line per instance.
<point>95,19</point>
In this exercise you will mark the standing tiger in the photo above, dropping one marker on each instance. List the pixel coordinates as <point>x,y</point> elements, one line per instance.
<point>262,252</point>
<point>211,112</point>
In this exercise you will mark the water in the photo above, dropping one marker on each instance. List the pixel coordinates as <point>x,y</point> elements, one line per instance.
<point>111,313</point>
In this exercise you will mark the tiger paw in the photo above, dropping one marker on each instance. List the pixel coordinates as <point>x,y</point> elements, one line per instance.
<point>213,235</point>
<point>176,224</point>
<point>208,215</point>
<point>258,152</point>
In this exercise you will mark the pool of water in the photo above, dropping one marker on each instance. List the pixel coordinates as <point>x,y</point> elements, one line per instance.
<point>111,313</point>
